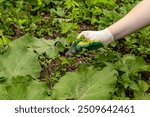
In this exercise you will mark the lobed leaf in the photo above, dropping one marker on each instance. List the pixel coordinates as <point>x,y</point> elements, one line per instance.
<point>42,46</point>
<point>86,84</point>
<point>18,60</point>
<point>23,88</point>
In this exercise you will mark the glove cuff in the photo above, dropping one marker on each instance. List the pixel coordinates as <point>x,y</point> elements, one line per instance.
<point>109,36</point>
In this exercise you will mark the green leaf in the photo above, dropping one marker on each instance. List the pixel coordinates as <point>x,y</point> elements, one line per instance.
<point>71,4</point>
<point>2,1</point>
<point>39,2</point>
<point>125,80</point>
<point>37,91</point>
<point>16,91</point>
<point>142,97</point>
<point>85,84</point>
<point>65,27</point>
<point>18,80</point>
<point>143,86</point>
<point>18,60</point>
<point>134,86</point>
<point>23,88</point>
<point>4,40</point>
<point>146,97</point>
<point>141,94</point>
<point>3,92</point>
<point>42,46</point>
<point>132,64</point>
<point>60,12</point>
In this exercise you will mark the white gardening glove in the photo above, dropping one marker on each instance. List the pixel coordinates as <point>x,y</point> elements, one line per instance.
<point>104,36</point>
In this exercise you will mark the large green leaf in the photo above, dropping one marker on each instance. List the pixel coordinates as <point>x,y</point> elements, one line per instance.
<point>45,46</point>
<point>18,88</point>
<point>18,60</point>
<point>86,84</point>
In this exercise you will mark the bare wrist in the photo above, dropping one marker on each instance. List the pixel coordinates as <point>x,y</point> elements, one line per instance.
<point>113,32</point>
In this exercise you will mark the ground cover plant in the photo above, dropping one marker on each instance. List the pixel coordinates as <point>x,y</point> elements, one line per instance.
<point>36,34</point>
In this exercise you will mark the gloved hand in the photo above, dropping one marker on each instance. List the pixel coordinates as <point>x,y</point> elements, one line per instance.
<point>95,39</point>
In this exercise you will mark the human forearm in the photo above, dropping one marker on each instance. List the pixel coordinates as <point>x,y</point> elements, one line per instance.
<point>136,19</point>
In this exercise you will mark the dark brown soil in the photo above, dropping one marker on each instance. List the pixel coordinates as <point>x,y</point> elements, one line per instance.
<point>85,26</point>
<point>17,30</point>
<point>55,66</point>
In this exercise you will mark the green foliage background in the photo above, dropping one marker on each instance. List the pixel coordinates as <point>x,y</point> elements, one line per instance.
<point>35,66</point>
